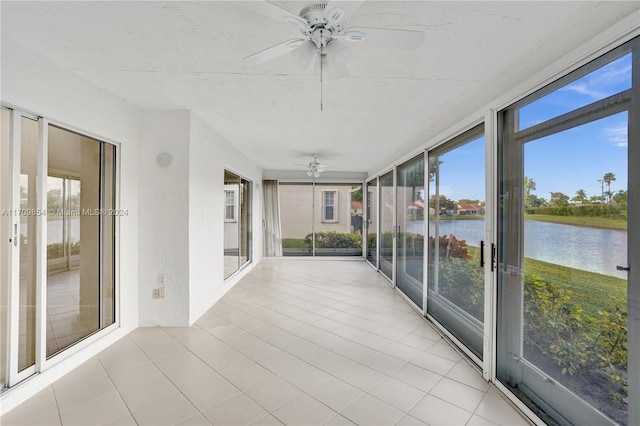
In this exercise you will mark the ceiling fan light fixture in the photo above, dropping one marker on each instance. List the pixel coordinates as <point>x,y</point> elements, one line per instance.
<point>305,54</point>
<point>316,173</point>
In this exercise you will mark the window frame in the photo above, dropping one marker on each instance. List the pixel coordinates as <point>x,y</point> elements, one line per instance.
<point>233,205</point>
<point>334,206</point>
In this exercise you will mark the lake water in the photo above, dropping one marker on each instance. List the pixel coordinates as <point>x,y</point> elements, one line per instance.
<point>589,249</point>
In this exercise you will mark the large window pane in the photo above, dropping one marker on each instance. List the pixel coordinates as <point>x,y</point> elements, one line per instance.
<point>386,224</point>
<point>296,215</point>
<point>80,234</point>
<point>608,80</point>
<point>28,245</point>
<point>410,218</point>
<point>338,220</point>
<point>563,249</point>
<point>245,221</point>
<point>456,230</point>
<point>237,222</point>
<point>108,232</point>
<point>231,223</point>
<point>372,221</point>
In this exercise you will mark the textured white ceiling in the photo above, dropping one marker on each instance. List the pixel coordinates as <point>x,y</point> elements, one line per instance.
<point>188,55</point>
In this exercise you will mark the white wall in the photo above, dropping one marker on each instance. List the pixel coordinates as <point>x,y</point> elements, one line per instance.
<point>209,155</point>
<point>164,217</point>
<point>182,216</point>
<point>31,82</point>
<point>175,221</point>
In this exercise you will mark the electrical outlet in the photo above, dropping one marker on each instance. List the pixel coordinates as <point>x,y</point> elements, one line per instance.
<point>162,279</point>
<point>159,293</point>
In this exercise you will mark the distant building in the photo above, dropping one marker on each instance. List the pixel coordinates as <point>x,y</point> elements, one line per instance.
<point>470,209</point>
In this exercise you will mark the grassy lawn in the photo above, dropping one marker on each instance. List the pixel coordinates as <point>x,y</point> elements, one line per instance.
<point>593,222</point>
<point>294,243</point>
<point>591,291</point>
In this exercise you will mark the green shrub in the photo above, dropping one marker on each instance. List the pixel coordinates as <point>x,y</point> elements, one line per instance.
<point>574,340</point>
<point>614,211</point>
<point>332,239</point>
<point>462,283</point>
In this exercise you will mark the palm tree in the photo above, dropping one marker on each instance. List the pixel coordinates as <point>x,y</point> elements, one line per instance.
<point>608,178</point>
<point>529,185</point>
<point>581,196</point>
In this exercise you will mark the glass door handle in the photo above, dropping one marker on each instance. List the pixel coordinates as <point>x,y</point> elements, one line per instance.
<point>623,268</point>
<point>482,254</point>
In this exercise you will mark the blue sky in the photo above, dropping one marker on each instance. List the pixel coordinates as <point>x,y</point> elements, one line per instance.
<point>566,161</point>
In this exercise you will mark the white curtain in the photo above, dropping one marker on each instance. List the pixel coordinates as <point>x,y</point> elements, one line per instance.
<point>272,241</point>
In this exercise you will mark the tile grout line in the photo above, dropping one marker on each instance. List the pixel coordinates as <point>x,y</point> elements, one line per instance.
<point>118,390</point>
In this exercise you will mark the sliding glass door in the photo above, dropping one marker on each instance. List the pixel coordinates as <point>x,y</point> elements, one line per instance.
<point>372,221</point>
<point>456,234</point>
<point>387,229</point>
<point>58,231</point>
<point>237,223</point>
<point>80,231</point>
<point>410,196</point>
<point>567,184</point>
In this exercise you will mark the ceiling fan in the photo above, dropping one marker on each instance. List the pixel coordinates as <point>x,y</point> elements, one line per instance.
<point>314,168</point>
<point>323,28</point>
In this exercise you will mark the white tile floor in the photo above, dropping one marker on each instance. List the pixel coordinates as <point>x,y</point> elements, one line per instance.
<point>297,342</point>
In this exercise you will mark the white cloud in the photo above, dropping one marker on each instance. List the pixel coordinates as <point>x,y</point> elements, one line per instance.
<point>583,88</point>
<point>617,135</point>
<point>596,85</point>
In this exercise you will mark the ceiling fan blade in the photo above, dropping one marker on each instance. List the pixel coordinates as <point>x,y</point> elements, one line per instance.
<point>274,51</point>
<point>340,11</point>
<point>270,10</point>
<point>383,37</point>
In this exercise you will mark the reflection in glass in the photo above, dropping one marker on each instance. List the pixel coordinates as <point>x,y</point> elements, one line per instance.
<point>456,210</point>
<point>231,223</point>
<point>80,199</point>
<point>28,245</point>
<point>237,222</point>
<point>410,218</point>
<point>245,227</point>
<point>386,224</point>
<point>56,226</point>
